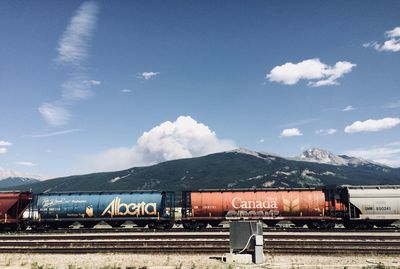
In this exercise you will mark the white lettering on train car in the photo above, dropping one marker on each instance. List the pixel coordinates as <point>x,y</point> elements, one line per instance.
<point>238,203</point>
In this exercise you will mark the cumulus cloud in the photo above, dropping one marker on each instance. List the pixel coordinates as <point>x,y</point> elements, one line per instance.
<point>5,143</point>
<point>25,163</point>
<point>183,138</point>
<point>372,125</point>
<point>3,150</point>
<point>388,154</point>
<point>148,75</point>
<point>74,43</point>
<point>55,114</point>
<point>291,132</point>
<point>391,44</point>
<point>348,108</point>
<point>329,131</point>
<point>317,73</point>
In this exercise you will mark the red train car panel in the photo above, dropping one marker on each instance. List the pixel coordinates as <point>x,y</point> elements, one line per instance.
<point>12,206</point>
<point>290,203</point>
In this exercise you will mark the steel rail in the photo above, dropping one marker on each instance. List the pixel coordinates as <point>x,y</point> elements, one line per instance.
<point>216,243</point>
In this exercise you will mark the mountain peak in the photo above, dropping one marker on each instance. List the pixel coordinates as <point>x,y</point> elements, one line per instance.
<point>321,156</point>
<point>261,155</point>
<point>7,173</point>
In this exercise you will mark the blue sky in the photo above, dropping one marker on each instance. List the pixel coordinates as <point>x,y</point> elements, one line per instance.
<point>107,85</point>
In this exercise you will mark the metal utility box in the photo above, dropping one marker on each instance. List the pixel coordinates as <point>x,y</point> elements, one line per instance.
<point>242,234</point>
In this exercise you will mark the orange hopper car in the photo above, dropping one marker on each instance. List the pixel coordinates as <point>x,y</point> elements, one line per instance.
<point>301,206</point>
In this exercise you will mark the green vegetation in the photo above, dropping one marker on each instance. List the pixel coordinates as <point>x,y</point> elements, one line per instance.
<point>224,170</point>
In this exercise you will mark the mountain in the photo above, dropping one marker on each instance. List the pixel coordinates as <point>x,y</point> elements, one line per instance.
<point>16,182</point>
<point>326,157</point>
<point>233,169</point>
<point>10,178</point>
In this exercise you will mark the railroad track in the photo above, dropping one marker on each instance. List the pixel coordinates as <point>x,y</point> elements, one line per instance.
<point>219,229</point>
<point>189,242</point>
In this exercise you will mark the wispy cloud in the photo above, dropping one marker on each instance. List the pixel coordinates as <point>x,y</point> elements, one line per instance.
<point>126,90</point>
<point>391,44</point>
<point>291,132</point>
<point>63,132</point>
<point>78,87</point>
<point>147,75</point>
<point>372,125</point>
<point>299,122</point>
<point>5,143</point>
<point>317,73</point>
<point>23,163</point>
<point>393,105</point>
<point>73,51</point>
<point>3,150</point>
<point>388,154</point>
<point>348,108</point>
<point>329,131</point>
<point>74,43</point>
<point>54,113</point>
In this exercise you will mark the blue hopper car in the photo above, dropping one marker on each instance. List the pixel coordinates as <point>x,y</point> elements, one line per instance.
<point>54,210</point>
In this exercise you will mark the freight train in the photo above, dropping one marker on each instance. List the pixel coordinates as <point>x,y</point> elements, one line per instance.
<point>354,207</point>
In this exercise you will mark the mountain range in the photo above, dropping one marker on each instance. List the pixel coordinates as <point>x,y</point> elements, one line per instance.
<point>10,178</point>
<point>239,168</point>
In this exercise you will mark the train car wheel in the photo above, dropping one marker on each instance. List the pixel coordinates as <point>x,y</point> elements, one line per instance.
<point>215,223</point>
<point>299,224</point>
<point>88,225</point>
<point>313,225</point>
<point>114,224</point>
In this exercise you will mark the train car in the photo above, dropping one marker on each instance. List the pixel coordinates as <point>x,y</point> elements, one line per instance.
<point>370,206</point>
<point>312,207</point>
<point>12,207</point>
<point>54,210</point>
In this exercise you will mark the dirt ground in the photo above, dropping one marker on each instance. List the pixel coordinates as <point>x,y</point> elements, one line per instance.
<point>124,261</point>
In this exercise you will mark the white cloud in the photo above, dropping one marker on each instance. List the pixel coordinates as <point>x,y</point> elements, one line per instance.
<point>183,138</point>
<point>78,87</point>
<point>291,132</point>
<point>148,75</point>
<point>329,131</point>
<point>6,173</point>
<point>318,73</point>
<point>54,114</point>
<point>348,108</point>
<point>392,44</point>
<point>5,143</point>
<point>74,43</point>
<point>126,90</point>
<point>372,125</point>
<point>388,154</point>
<point>262,140</point>
<point>94,82</point>
<point>73,51</point>
<point>63,132</point>
<point>3,150</point>
<point>393,105</point>
<point>25,163</point>
<point>299,122</point>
